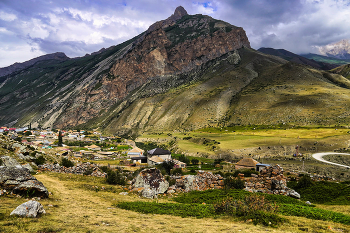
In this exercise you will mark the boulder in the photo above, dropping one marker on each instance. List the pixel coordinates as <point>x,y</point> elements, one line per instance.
<point>20,181</point>
<point>29,167</point>
<point>29,209</point>
<point>152,181</point>
<point>10,162</point>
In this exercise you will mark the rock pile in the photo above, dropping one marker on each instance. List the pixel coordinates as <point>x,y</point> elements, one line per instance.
<point>150,183</point>
<point>202,181</point>
<point>80,169</point>
<point>270,180</point>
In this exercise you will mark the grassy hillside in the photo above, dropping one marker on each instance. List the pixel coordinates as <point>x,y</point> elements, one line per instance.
<point>326,59</point>
<point>79,204</point>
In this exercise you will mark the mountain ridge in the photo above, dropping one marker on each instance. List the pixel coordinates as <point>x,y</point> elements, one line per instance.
<point>186,74</point>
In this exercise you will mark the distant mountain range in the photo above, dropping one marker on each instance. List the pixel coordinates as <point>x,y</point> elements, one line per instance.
<point>185,72</point>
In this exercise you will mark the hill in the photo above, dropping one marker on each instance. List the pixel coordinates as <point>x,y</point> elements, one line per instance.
<point>289,56</point>
<point>330,60</point>
<point>185,72</point>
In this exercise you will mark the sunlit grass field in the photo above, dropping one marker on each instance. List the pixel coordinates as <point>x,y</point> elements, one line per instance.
<point>81,204</point>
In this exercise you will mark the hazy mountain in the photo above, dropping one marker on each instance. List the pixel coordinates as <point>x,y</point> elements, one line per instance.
<point>340,50</point>
<point>185,72</point>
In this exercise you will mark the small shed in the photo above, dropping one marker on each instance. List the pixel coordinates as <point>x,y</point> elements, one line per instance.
<point>261,166</point>
<point>246,163</point>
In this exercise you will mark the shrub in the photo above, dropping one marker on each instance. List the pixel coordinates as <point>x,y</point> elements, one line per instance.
<point>235,183</point>
<point>304,182</point>
<point>177,171</point>
<point>167,166</point>
<point>40,160</point>
<point>254,207</point>
<point>115,178</point>
<point>0,162</point>
<point>66,163</point>
<point>195,161</point>
<point>88,172</point>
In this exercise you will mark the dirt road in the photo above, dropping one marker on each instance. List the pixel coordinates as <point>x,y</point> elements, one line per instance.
<point>318,156</point>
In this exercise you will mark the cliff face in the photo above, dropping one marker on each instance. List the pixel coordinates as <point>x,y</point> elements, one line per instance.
<point>172,46</point>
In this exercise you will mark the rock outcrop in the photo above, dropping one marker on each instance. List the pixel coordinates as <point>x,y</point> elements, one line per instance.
<point>150,182</point>
<point>179,44</point>
<point>30,209</point>
<point>20,181</point>
<point>272,181</point>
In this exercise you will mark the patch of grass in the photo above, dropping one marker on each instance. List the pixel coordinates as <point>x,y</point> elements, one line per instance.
<point>323,192</point>
<point>314,213</point>
<point>183,210</point>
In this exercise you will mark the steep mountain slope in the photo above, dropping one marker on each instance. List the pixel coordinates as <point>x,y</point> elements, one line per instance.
<point>245,87</point>
<point>289,56</point>
<point>185,72</point>
<point>76,91</point>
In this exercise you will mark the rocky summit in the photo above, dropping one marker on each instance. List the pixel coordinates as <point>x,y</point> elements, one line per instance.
<point>185,72</point>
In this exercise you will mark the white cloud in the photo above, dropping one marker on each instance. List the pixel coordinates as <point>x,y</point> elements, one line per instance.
<point>7,16</point>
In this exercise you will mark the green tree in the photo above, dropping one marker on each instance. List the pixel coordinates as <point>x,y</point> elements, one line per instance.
<point>66,163</point>
<point>195,161</point>
<point>59,138</point>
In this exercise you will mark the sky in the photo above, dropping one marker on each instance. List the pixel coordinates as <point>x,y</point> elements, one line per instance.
<point>31,28</point>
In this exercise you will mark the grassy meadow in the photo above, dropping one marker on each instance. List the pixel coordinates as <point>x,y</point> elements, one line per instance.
<point>88,204</point>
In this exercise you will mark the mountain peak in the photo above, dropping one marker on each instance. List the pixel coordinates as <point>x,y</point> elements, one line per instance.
<point>179,12</point>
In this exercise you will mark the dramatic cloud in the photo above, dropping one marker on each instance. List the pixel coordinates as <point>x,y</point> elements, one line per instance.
<point>30,28</point>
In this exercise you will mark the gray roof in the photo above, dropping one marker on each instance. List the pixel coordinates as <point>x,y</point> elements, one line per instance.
<point>158,151</point>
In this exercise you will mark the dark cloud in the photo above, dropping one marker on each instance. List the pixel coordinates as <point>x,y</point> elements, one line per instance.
<point>30,28</point>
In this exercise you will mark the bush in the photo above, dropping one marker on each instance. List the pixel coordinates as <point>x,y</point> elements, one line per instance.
<point>304,182</point>
<point>66,163</point>
<point>167,166</point>
<point>40,160</point>
<point>195,161</point>
<point>1,162</point>
<point>235,183</point>
<point>115,177</point>
<point>88,172</point>
<point>177,171</point>
<point>254,207</point>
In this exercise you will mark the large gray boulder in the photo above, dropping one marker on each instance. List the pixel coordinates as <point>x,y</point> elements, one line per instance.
<point>29,209</point>
<point>20,181</point>
<point>152,181</point>
<point>9,162</point>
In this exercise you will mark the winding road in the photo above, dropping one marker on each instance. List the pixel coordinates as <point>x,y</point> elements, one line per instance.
<point>318,156</point>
